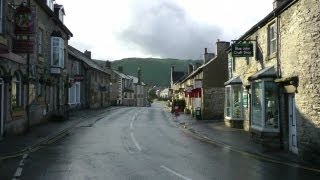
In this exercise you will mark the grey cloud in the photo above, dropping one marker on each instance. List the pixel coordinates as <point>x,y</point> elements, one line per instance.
<point>164,29</point>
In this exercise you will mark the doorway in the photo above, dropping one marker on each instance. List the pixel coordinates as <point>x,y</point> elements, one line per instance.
<point>292,124</point>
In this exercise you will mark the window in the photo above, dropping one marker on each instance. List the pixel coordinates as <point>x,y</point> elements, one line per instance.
<point>265,105</point>
<point>75,68</point>
<point>74,93</point>
<point>40,41</point>
<point>16,94</point>
<point>272,38</point>
<point>57,52</point>
<point>234,101</point>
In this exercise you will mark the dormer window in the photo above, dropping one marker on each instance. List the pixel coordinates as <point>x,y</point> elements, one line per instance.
<point>59,11</point>
<point>50,4</point>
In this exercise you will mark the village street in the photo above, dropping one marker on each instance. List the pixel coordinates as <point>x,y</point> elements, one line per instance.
<point>140,143</point>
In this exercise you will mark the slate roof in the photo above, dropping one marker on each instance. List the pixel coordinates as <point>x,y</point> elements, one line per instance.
<point>78,54</point>
<point>263,73</point>
<point>135,80</point>
<point>177,75</point>
<point>234,80</point>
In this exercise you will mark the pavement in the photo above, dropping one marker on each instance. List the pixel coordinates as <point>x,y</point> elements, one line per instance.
<point>238,140</point>
<point>13,146</point>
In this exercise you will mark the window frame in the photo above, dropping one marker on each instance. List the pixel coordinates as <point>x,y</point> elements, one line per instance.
<point>272,48</point>
<point>263,127</point>
<point>57,49</point>
<point>18,90</point>
<point>74,94</point>
<point>231,94</point>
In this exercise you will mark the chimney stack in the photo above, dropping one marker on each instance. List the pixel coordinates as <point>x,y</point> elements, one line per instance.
<point>278,3</point>
<point>107,64</point>
<point>87,54</point>
<point>207,56</point>
<point>190,68</point>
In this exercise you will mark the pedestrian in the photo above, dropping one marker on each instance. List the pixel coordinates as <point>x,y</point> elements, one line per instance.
<point>176,112</point>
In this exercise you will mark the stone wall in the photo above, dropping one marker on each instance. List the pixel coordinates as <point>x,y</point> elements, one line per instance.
<point>213,100</point>
<point>299,56</point>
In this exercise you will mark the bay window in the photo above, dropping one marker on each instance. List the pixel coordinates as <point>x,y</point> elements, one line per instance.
<point>265,115</point>
<point>57,52</point>
<point>234,102</point>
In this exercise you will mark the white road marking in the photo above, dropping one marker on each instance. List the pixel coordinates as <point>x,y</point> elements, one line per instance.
<point>21,163</point>
<point>131,125</point>
<point>175,173</point>
<point>25,156</point>
<point>135,142</point>
<point>18,172</point>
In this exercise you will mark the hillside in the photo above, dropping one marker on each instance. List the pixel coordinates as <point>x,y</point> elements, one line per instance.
<point>154,71</point>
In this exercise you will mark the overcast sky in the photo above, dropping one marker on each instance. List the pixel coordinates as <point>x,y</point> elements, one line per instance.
<point>116,29</point>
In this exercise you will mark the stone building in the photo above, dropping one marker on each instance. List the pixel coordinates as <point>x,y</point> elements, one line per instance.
<point>95,84</point>
<point>13,70</point>
<point>204,87</point>
<point>126,88</point>
<point>140,92</point>
<point>276,91</point>
<point>32,70</point>
<point>114,77</point>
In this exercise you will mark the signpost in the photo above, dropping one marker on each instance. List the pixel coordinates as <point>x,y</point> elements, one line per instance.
<point>242,50</point>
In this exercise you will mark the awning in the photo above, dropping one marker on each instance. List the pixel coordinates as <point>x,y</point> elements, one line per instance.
<point>268,72</point>
<point>234,80</point>
<point>14,57</point>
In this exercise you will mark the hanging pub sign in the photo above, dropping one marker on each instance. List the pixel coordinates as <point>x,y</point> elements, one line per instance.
<point>242,50</point>
<point>23,21</point>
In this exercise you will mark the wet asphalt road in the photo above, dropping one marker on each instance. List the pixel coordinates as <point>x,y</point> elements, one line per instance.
<point>144,143</point>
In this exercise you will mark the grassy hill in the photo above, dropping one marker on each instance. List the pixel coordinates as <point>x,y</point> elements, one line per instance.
<point>154,71</point>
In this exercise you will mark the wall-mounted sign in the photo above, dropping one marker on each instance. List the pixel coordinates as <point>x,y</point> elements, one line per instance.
<point>55,70</point>
<point>242,50</point>
<point>23,21</point>
<point>23,46</point>
<point>78,77</point>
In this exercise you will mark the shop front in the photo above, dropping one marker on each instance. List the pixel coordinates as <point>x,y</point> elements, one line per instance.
<point>265,125</point>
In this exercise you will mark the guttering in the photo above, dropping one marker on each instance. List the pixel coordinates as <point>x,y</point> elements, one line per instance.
<point>266,19</point>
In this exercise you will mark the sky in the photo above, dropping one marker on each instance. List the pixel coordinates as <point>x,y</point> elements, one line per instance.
<point>116,29</point>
